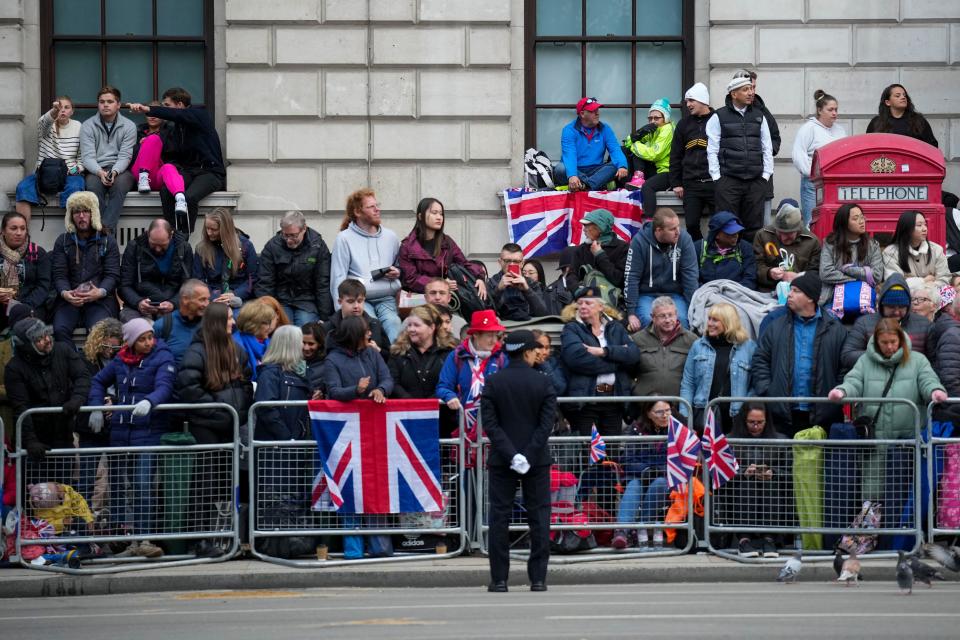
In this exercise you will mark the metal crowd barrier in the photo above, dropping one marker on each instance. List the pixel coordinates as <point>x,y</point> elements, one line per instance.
<point>812,490</point>
<point>282,481</point>
<point>169,493</point>
<point>943,479</point>
<point>593,501</point>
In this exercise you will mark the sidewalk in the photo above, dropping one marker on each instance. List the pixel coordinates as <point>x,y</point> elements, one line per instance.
<point>462,571</point>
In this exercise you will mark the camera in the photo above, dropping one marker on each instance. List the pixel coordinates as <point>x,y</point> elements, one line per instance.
<point>379,274</point>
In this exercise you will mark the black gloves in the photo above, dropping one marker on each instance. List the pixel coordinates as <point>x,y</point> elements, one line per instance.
<point>642,131</point>
<point>37,450</point>
<point>72,406</point>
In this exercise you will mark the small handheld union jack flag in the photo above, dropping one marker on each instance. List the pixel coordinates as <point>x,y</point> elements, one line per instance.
<point>721,462</point>
<point>683,450</point>
<point>598,448</point>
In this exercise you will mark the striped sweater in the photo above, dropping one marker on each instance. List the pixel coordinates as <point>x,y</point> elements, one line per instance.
<point>65,144</point>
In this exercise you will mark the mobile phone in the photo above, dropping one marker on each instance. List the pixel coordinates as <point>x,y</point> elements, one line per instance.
<point>513,269</point>
<point>153,304</point>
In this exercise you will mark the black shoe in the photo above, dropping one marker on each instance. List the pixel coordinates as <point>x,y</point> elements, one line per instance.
<point>500,586</point>
<point>768,549</point>
<point>206,549</point>
<point>538,586</point>
<point>747,550</point>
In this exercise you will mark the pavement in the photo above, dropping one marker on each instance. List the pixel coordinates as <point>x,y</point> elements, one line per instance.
<point>461,571</point>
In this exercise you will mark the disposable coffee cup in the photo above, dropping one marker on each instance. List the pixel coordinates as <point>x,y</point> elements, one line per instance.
<point>321,552</point>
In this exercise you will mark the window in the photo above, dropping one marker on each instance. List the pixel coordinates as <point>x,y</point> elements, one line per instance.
<point>626,53</point>
<point>142,47</point>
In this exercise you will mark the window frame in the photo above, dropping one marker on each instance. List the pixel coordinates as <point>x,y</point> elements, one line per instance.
<point>531,40</point>
<point>48,41</point>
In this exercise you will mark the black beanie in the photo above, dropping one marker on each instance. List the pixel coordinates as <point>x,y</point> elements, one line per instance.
<point>809,284</point>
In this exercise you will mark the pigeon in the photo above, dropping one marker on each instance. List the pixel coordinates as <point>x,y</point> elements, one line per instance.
<point>850,570</point>
<point>837,561</point>
<point>949,558</point>
<point>904,575</point>
<point>923,572</point>
<point>791,570</point>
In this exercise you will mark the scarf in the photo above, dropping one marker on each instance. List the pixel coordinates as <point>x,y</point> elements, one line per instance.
<point>129,358</point>
<point>254,350</point>
<point>11,266</point>
<point>471,405</point>
<point>604,222</point>
<point>666,339</point>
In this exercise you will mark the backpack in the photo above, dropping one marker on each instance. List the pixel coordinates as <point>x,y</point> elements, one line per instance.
<point>593,277</point>
<point>868,518</point>
<point>538,169</point>
<point>52,175</point>
<point>465,299</point>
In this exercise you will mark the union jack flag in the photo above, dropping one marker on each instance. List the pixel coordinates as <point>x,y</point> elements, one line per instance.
<point>683,449</point>
<point>377,458</point>
<point>721,462</point>
<point>598,448</point>
<point>544,222</point>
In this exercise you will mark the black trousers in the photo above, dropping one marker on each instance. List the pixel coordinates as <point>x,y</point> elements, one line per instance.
<point>659,182</point>
<point>198,184</point>
<point>608,416</point>
<point>745,198</point>
<point>536,500</point>
<point>697,197</point>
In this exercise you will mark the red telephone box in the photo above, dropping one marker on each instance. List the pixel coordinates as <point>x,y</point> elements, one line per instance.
<point>886,174</point>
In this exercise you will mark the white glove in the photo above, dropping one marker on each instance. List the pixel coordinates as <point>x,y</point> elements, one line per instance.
<point>142,408</point>
<point>520,464</point>
<point>96,421</point>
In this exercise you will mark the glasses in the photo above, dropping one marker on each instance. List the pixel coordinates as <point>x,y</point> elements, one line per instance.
<point>511,261</point>
<point>921,299</point>
<point>591,101</point>
<point>82,212</point>
<point>654,118</point>
<point>111,347</point>
<point>661,412</point>
<point>292,236</point>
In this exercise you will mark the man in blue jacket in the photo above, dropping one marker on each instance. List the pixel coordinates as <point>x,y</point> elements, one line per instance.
<point>724,254</point>
<point>662,261</point>
<point>584,144</point>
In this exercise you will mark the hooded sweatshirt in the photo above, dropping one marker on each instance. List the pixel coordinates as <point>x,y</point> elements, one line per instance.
<point>357,253</point>
<point>810,137</point>
<point>737,264</point>
<point>656,269</point>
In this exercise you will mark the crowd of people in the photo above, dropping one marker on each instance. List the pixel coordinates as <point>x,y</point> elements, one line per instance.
<point>167,322</point>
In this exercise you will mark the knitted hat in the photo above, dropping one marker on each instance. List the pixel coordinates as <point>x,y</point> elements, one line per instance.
<point>737,82</point>
<point>897,296</point>
<point>663,106</point>
<point>789,219</point>
<point>134,329</point>
<point>809,284</point>
<point>698,92</point>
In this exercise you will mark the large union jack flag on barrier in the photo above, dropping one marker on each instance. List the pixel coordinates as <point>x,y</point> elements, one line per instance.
<point>544,222</point>
<point>683,450</point>
<point>721,462</point>
<point>377,458</point>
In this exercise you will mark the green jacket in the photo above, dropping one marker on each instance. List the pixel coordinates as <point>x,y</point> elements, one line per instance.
<point>913,380</point>
<point>654,148</point>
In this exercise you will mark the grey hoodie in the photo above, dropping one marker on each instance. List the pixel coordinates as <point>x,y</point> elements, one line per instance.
<point>653,269</point>
<point>357,253</point>
<point>100,149</point>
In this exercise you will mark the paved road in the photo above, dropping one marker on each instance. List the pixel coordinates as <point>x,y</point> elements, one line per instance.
<point>768,610</point>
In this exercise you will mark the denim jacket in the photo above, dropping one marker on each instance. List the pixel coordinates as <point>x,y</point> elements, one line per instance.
<point>698,373</point>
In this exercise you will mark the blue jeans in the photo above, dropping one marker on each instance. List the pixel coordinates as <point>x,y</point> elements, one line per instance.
<point>27,189</point>
<point>299,317</point>
<point>645,303</point>
<point>808,199</point>
<point>136,508</point>
<point>385,310</point>
<point>594,176</point>
<point>650,501</point>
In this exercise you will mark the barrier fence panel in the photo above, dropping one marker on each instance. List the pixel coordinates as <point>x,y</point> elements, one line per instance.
<point>942,480</point>
<point>293,525</point>
<point>816,493</point>
<point>112,509</point>
<point>591,502</point>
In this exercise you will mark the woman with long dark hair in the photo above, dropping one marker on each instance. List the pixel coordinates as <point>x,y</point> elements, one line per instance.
<point>896,114</point>
<point>427,252</point>
<point>849,253</point>
<point>314,354</point>
<point>912,254</point>
<point>225,260</point>
<point>354,370</point>
<point>25,269</point>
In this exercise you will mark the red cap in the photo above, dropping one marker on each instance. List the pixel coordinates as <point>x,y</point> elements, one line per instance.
<point>588,104</point>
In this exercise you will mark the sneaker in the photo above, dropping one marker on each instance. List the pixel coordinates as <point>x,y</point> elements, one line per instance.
<point>150,550</point>
<point>643,539</point>
<point>181,204</point>
<point>636,182</point>
<point>747,550</point>
<point>769,549</point>
<point>207,549</point>
<point>619,539</point>
<point>143,182</point>
<point>133,549</point>
<point>658,539</point>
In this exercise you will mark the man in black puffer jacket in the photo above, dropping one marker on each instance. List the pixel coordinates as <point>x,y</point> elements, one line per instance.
<point>45,374</point>
<point>154,266</point>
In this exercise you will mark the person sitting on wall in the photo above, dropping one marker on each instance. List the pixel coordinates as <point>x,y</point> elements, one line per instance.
<point>154,265</point>
<point>584,144</point>
<point>652,143</point>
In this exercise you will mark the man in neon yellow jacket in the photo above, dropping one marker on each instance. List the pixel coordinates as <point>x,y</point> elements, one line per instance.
<point>652,143</point>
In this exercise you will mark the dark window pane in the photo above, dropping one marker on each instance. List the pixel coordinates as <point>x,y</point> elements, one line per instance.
<point>559,17</point>
<point>83,114</point>
<point>659,17</point>
<point>609,17</point>
<point>181,65</point>
<point>130,69</point>
<point>76,17</point>
<point>558,73</point>
<point>608,72</point>
<point>129,17</point>
<point>550,124</point>
<point>78,71</point>
<point>179,18</point>
<point>659,72</point>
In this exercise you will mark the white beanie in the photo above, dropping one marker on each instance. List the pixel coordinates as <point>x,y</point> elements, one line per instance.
<point>737,82</point>
<point>699,93</point>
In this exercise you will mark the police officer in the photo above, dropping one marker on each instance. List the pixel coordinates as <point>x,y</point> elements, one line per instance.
<point>518,408</point>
